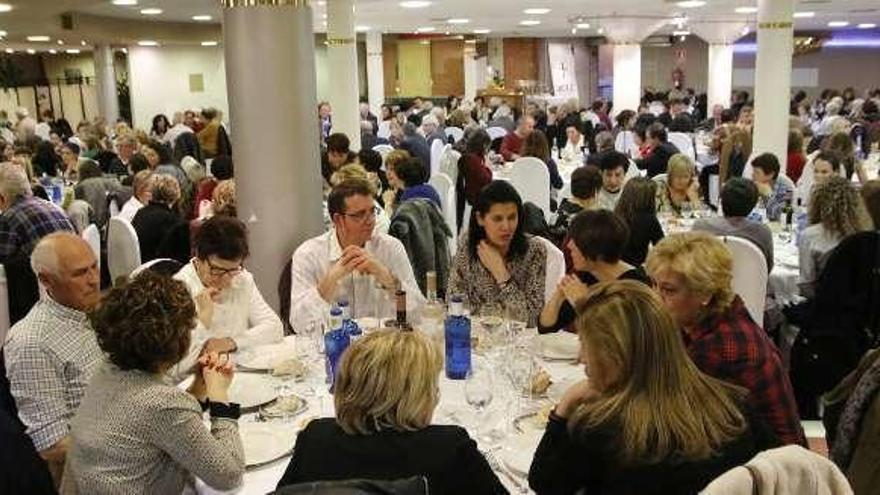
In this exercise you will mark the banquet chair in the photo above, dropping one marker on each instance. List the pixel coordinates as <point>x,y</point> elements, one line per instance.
<point>684,143</point>
<point>626,143</point>
<point>555,268</point>
<point>383,149</point>
<point>384,130</point>
<point>123,250</point>
<point>530,177</point>
<point>4,306</point>
<point>438,147</point>
<point>449,163</point>
<point>162,266</point>
<point>749,275</point>
<point>92,236</point>
<point>496,132</point>
<point>455,133</point>
<point>446,190</point>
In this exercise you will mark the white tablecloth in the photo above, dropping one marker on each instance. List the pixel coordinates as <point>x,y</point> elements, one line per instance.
<point>263,479</point>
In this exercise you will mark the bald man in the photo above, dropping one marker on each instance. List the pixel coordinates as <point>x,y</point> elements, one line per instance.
<point>52,352</point>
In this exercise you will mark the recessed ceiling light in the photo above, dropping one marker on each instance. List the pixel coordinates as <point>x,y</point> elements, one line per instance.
<point>426,29</point>
<point>867,25</point>
<point>124,2</point>
<point>540,11</point>
<point>72,51</point>
<point>83,43</point>
<point>691,4</point>
<point>529,22</point>
<point>151,11</point>
<point>482,31</point>
<point>31,51</point>
<point>746,10</point>
<point>10,51</point>
<point>5,7</point>
<point>681,33</point>
<point>53,51</point>
<point>362,29</point>
<point>209,43</point>
<point>322,3</point>
<point>60,42</point>
<point>458,21</point>
<point>837,24</point>
<point>415,4</point>
<point>38,37</point>
<point>583,25</point>
<point>804,15</point>
<point>148,43</point>
<point>201,18</point>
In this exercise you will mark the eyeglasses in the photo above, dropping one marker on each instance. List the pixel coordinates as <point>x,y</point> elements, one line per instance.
<point>219,271</point>
<point>362,216</point>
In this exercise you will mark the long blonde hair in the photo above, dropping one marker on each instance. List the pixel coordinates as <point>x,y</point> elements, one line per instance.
<point>662,404</point>
<point>737,140</point>
<point>388,380</point>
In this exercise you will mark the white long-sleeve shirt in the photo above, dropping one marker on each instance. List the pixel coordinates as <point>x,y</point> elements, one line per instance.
<point>240,313</point>
<point>314,258</point>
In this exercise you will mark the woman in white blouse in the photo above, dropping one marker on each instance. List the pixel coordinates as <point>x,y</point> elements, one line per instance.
<point>573,152</point>
<point>232,314</point>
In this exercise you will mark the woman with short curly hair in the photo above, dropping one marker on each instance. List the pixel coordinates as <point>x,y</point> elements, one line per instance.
<point>132,432</point>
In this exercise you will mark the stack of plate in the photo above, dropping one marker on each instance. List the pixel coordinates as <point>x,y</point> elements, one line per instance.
<point>560,345</point>
<point>251,390</point>
<point>266,442</point>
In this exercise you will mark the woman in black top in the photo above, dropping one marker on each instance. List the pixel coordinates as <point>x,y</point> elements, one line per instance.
<point>647,421</point>
<point>385,394</point>
<point>597,241</point>
<point>637,207</point>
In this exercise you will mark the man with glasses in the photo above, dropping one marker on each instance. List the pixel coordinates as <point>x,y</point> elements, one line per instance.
<point>231,313</point>
<point>350,261</point>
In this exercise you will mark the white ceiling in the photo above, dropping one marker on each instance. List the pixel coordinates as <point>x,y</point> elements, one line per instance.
<point>500,16</point>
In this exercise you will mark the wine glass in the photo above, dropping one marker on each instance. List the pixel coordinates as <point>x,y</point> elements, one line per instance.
<point>479,392</point>
<point>309,351</point>
<point>492,321</point>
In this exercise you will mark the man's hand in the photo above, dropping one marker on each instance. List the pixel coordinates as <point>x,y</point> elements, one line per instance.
<point>364,262</point>
<point>205,305</point>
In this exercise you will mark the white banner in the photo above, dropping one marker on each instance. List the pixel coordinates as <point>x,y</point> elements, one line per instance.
<point>562,70</point>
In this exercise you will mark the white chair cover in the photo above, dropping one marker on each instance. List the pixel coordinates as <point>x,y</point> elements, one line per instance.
<point>496,132</point>
<point>383,149</point>
<point>114,207</point>
<point>626,143</point>
<point>446,190</point>
<point>530,177</point>
<point>92,235</point>
<point>4,306</point>
<point>123,250</point>
<point>555,269</point>
<point>455,133</point>
<point>749,275</point>
<point>437,149</point>
<point>449,163</point>
<point>146,266</point>
<point>384,130</point>
<point>684,143</point>
<point>715,190</point>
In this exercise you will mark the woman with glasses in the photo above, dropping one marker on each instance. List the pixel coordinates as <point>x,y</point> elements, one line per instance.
<point>232,314</point>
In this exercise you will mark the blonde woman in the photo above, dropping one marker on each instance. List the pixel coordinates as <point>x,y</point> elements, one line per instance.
<point>646,420</point>
<point>679,189</point>
<point>385,394</point>
<point>693,273</point>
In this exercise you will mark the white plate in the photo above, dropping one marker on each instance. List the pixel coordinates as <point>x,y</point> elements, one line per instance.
<point>251,390</point>
<point>265,357</point>
<point>518,452</point>
<point>560,345</point>
<point>265,442</point>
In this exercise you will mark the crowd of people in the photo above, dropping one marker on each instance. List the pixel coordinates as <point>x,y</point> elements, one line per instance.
<point>682,383</point>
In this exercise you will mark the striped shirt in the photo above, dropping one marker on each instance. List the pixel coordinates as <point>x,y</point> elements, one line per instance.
<point>27,221</point>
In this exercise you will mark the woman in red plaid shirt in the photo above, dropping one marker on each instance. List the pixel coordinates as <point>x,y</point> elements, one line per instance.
<point>693,274</point>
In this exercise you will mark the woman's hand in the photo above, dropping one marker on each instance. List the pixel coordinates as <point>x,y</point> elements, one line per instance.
<point>217,372</point>
<point>493,261</point>
<point>576,395</point>
<point>574,289</point>
<point>219,345</point>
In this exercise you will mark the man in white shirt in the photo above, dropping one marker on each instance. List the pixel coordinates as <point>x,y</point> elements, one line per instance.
<point>176,130</point>
<point>613,166</point>
<point>348,261</point>
<point>142,193</point>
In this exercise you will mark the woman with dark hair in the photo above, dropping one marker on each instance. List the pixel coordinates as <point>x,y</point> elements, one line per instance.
<point>45,160</point>
<point>473,171</point>
<point>385,113</point>
<point>795,159</point>
<point>133,433</point>
<point>536,145</point>
<point>160,127</point>
<point>637,207</point>
<point>626,120</point>
<point>496,261</point>
<point>597,239</point>
<point>409,179</point>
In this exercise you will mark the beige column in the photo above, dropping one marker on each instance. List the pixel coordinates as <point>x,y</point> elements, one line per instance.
<point>626,35</point>
<point>342,70</point>
<point>773,77</point>
<point>276,139</point>
<point>375,71</point>
<point>721,36</point>
<point>105,78</point>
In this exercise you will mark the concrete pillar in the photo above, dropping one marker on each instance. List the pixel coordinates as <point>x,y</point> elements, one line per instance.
<point>471,76</point>
<point>342,70</point>
<point>278,182</point>
<point>773,77</point>
<point>105,78</point>
<point>375,71</point>
<point>720,75</point>
<point>627,84</point>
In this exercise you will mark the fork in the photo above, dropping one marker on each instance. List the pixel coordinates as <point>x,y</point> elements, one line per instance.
<point>499,466</point>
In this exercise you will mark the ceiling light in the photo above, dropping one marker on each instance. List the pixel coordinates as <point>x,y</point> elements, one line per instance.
<point>53,51</point>
<point>124,50</point>
<point>5,7</point>
<point>201,18</point>
<point>482,31</point>
<point>601,30</point>
<point>837,24</point>
<point>209,43</point>
<point>681,33</point>
<point>39,37</point>
<point>322,3</point>
<point>362,29</point>
<point>745,30</point>
<point>83,43</point>
<point>471,42</point>
<point>540,11</point>
<point>583,25</point>
<point>3,33</point>
<point>60,42</point>
<point>867,25</point>
<point>415,4</point>
<point>691,4</point>
<point>746,10</point>
<point>151,11</point>
<point>458,21</point>
<point>529,22</point>
<point>804,15</point>
<point>124,2</point>
<point>426,29</point>
<point>72,51</point>
<point>31,51</point>
<point>10,51</point>
<point>148,43</point>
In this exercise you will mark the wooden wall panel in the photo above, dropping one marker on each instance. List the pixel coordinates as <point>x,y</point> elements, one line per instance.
<point>414,66</point>
<point>447,67</point>
<point>520,60</point>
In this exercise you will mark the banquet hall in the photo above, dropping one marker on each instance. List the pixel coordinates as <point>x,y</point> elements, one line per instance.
<point>437,246</point>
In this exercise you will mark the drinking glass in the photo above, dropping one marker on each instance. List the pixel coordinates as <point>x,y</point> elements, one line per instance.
<point>492,321</point>
<point>479,392</point>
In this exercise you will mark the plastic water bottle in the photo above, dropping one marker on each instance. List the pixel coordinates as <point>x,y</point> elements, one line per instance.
<point>348,324</point>
<point>458,341</point>
<point>336,341</point>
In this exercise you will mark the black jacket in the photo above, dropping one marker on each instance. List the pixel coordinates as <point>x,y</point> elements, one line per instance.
<point>446,455</point>
<point>161,233</point>
<point>420,227</point>
<point>656,162</point>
